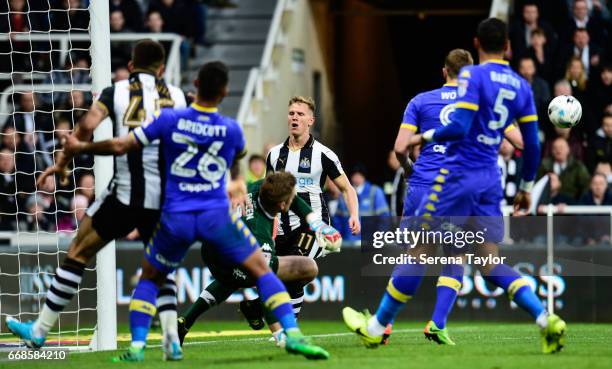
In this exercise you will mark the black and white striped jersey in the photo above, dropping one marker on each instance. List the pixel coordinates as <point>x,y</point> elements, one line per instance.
<point>311,165</point>
<point>130,103</point>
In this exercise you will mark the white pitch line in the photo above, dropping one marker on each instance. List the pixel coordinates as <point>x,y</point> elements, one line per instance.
<point>324,335</point>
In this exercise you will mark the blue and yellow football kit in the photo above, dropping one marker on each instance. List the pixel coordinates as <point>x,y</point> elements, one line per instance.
<point>490,97</point>
<point>427,110</point>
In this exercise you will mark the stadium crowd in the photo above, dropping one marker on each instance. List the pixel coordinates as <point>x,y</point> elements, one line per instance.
<point>561,47</point>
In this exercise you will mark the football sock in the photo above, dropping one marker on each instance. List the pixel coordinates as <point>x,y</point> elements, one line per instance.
<point>275,297</point>
<point>142,311</point>
<point>403,284</point>
<point>64,286</point>
<point>212,295</point>
<point>448,286</point>
<point>518,289</point>
<point>166,308</point>
<point>296,292</point>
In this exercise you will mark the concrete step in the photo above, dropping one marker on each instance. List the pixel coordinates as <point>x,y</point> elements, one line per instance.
<point>233,55</point>
<point>245,9</point>
<point>237,30</point>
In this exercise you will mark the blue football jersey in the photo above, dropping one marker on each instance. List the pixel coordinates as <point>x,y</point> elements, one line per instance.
<point>198,147</point>
<point>499,96</point>
<point>429,110</point>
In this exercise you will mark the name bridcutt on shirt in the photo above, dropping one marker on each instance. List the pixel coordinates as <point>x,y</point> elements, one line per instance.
<point>472,259</point>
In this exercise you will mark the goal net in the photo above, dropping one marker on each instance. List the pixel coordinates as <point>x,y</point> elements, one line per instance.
<point>47,82</point>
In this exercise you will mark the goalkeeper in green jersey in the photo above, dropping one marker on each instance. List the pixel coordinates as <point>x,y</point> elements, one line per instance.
<point>265,199</point>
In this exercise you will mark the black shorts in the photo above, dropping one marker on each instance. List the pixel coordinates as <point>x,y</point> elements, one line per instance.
<point>234,277</point>
<point>301,241</point>
<point>112,219</point>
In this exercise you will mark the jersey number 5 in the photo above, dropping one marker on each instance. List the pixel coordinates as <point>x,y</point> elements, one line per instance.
<point>501,109</point>
<point>208,160</point>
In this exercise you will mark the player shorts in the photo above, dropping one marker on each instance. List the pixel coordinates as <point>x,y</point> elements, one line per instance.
<point>301,241</point>
<point>232,276</point>
<point>112,219</point>
<point>226,236</point>
<point>414,195</point>
<point>470,199</point>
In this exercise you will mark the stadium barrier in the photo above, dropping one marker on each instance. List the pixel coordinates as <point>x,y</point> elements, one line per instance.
<point>343,281</point>
<point>173,63</point>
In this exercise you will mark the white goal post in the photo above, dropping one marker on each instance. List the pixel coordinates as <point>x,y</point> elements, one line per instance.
<point>105,335</point>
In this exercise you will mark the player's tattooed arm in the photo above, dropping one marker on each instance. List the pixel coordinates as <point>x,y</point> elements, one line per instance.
<point>115,146</point>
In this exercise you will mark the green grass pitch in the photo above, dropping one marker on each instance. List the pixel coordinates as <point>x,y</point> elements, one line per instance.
<point>479,345</point>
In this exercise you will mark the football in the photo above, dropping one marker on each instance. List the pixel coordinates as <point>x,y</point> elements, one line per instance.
<point>564,111</point>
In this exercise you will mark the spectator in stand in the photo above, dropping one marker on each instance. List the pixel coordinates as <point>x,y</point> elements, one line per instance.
<point>155,24</point>
<point>510,168</point>
<point>372,203</point>
<point>593,22</point>
<point>130,10</point>
<point>40,210</point>
<point>74,16</point>
<point>573,173</point>
<point>596,228</point>
<point>521,29</point>
<point>541,52</point>
<point>600,144</point>
<point>86,187</point>
<point>598,194</point>
<point>573,138</point>
<point>257,168</point>
<point>576,75</point>
<point>121,73</point>
<point>173,14</point>
<point>121,52</point>
<point>79,74</point>
<point>8,189</point>
<point>37,129</point>
<point>600,91</point>
<point>395,185</point>
<point>75,106</point>
<point>577,78</point>
<point>14,55</point>
<point>605,169</point>
<point>583,49</point>
<point>541,91</point>
<point>553,194</point>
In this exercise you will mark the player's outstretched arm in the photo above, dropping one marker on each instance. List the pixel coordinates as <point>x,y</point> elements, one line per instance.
<point>350,196</point>
<point>116,146</point>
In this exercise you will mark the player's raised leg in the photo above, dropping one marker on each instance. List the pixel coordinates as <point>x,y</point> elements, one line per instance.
<point>64,286</point>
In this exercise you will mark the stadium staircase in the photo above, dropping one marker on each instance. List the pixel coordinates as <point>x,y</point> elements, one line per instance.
<point>238,36</point>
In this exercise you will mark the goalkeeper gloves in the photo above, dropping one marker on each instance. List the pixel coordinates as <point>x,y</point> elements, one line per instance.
<point>327,236</point>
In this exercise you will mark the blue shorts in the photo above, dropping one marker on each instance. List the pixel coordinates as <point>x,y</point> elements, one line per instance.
<point>414,195</point>
<point>225,234</point>
<point>471,197</point>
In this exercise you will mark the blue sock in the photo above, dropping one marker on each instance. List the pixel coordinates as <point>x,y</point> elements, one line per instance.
<point>449,284</point>
<point>404,282</point>
<point>142,310</point>
<point>518,289</point>
<point>276,299</point>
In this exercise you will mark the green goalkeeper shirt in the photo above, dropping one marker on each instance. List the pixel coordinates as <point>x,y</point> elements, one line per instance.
<point>260,222</point>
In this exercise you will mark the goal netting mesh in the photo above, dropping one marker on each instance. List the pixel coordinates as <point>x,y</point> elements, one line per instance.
<point>45,88</point>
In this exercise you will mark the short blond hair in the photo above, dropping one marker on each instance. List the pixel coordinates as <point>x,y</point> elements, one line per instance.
<point>455,60</point>
<point>303,100</point>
